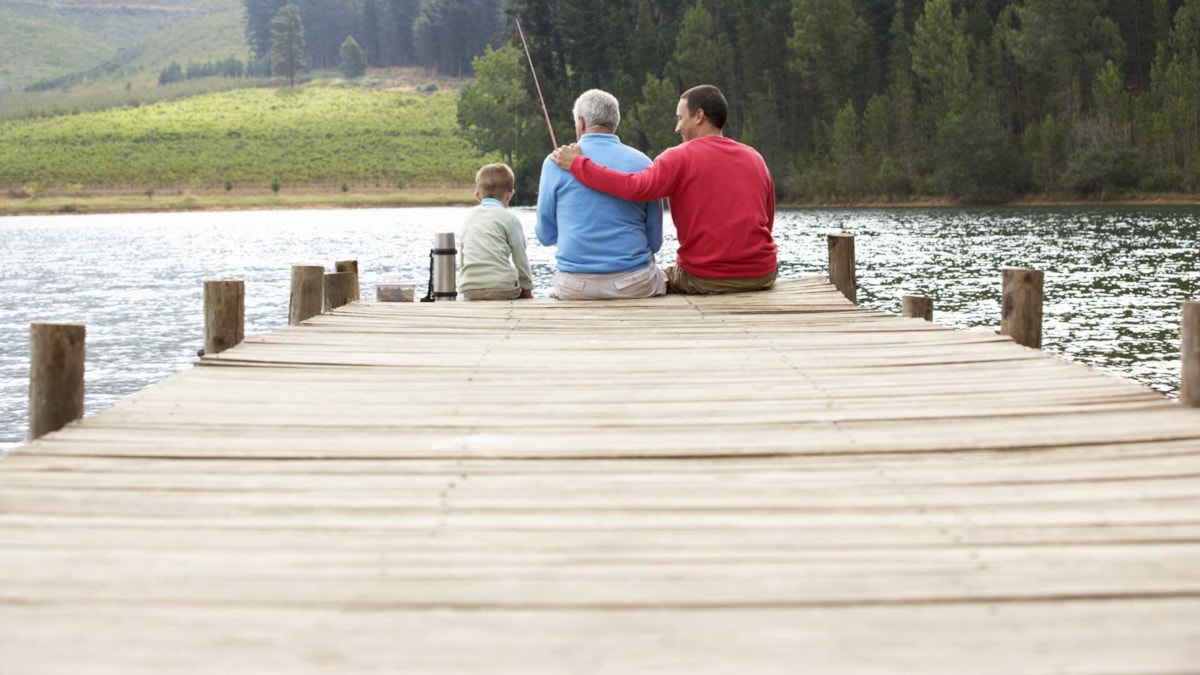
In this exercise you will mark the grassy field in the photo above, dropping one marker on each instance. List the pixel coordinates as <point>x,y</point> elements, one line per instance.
<point>314,138</point>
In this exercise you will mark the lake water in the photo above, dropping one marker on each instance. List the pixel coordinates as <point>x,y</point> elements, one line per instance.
<point>1115,277</point>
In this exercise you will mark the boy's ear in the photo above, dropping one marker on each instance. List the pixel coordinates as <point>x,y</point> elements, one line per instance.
<point>478,197</point>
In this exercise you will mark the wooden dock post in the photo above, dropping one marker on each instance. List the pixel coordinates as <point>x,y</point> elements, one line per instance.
<point>1021,312</point>
<point>224,315</point>
<point>339,289</point>
<point>350,266</point>
<point>56,355</point>
<point>308,293</point>
<point>1189,385</point>
<point>841,265</point>
<point>917,307</point>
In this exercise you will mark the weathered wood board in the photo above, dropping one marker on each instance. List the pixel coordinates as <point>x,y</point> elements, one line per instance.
<point>764,483</point>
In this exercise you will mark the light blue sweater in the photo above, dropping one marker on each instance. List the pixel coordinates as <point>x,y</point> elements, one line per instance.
<point>596,233</point>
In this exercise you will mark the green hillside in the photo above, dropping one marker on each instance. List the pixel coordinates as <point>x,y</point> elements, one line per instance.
<point>111,44</point>
<point>39,42</point>
<point>315,134</point>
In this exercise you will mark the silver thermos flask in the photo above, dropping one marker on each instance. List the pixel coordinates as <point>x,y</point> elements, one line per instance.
<point>445,259</point>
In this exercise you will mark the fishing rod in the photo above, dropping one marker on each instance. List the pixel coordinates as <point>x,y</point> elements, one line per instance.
<point>545,112</point>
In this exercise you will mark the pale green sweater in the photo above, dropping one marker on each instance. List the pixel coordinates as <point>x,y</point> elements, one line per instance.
<point>491,237</point>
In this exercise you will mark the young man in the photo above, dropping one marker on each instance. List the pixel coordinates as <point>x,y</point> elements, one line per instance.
<point>491,237</point>
<point>606,245</point>
<point>721,194</point>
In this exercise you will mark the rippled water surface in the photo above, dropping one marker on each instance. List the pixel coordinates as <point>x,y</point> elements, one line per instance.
<point>1115,277</point>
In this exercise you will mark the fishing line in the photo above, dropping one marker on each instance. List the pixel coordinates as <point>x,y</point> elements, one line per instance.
<point>545,112</point>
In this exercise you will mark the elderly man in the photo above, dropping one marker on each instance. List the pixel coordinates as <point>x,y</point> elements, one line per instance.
<point>606,245</point>
<point>721,194</point>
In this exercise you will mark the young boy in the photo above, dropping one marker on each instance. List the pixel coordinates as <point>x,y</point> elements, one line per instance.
<point>490,237</point>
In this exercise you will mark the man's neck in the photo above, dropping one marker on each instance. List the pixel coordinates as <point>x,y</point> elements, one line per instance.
<point>596,130</point>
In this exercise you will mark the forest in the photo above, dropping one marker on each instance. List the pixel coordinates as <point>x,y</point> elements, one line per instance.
<point>441,35</point>
<point>848,100</point>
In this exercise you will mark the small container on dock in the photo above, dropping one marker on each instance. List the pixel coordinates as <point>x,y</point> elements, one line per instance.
<point>395,291</point>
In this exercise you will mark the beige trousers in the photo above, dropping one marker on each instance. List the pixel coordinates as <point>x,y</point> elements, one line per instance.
<point>683,283</point>
<point>644,283</point>
<point>476,294</point>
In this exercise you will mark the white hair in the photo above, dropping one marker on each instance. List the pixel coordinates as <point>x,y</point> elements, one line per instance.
<point>598,109</point>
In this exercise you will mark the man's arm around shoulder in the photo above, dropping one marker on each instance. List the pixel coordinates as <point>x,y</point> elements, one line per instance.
<point>654,182</point>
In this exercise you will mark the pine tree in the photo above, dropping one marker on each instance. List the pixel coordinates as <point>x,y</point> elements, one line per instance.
<point>701,56</point>
<point>650,124</point>
<point>940,59</point>
<point>287,43</point>
<point>353,63</point>
<point>401,15</point>
<point>829,46</point>
<point>1061,45</point>
<point>257,17</point>
<point>845,151</point>
<point>371,30</point>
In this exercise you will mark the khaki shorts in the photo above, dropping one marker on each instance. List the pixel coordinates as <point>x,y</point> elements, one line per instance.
<point>683,283</point>
<point>477,294</point>
<point>644,283</point>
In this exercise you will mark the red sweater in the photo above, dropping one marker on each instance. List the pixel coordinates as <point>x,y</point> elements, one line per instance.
<point>722,202</point>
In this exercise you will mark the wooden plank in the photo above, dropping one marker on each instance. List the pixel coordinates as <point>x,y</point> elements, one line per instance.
<point>748,483</point>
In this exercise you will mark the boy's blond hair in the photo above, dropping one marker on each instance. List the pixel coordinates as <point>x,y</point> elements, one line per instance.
<point>495,181</point>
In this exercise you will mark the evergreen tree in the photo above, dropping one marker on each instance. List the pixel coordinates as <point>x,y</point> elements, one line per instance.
<point>1061,44</point>
<point>846,153</point>
<point>257,17</point>
<point>353,62</point>
<point>940,59</point>
<point>448,34</point>
<point>326,24</point>
<point>542,22</point>
<point>287,43</point>
<point>769,100</point>
<point>597,35</point>
<point>902,100</point>
<point>650,124</point>
<point>371,31</point>
<point>829,46</point>
<point>701,56</point>
<point>172,73</point>
<point>401,16</point>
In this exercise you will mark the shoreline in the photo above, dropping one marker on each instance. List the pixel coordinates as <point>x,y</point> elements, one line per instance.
<point>91,201</point>
<point>117,200</point>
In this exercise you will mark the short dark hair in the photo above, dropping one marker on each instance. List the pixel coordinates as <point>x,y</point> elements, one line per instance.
<point>709,99</point>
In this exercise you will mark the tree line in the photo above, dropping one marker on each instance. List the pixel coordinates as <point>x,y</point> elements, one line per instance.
<point>980,100</point>
<point>441,35</point>
<point>231,67</point>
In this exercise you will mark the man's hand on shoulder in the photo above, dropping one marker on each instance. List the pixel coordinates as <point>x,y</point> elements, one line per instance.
<point>565,155</point>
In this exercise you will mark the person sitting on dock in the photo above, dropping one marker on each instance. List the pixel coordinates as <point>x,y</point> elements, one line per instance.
<point>491,238</point>
<point>721,194</point>
<point>606,245</point>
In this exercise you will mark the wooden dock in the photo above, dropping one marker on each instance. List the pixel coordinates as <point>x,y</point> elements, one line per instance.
<point>766,483</point>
